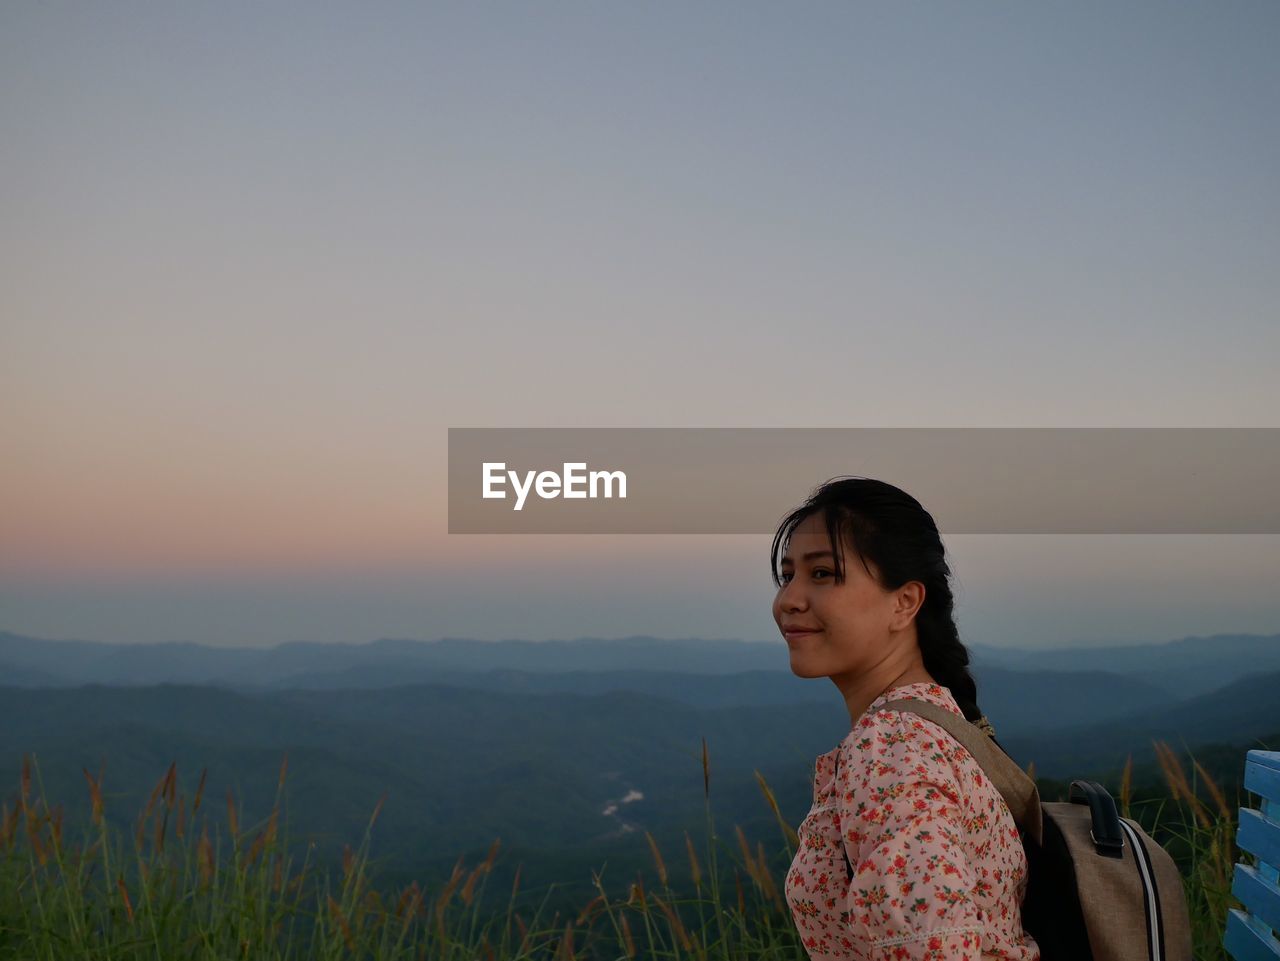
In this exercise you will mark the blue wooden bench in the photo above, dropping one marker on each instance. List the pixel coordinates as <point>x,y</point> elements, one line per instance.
<point>1252,934</point>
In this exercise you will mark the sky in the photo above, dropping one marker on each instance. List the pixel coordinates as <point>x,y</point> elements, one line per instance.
<point>255,260</point>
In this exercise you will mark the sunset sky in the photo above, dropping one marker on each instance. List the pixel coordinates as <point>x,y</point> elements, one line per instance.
<point>256,259</point>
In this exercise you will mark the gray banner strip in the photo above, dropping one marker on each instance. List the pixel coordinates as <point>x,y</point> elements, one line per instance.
<point>974,480</point>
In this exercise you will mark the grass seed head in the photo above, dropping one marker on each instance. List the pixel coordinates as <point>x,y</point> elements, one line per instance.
<point>204,855</point>
<point>170,784</point>
<point>233,824</point>
<point>95,796</point>
<point>1176,778</point>
<point>1215,792</point>
<point>493,854</point>
<point>335,912</point>
<point>627,939</point>
<point>747,858</point>
<point>255,849</point>
<point>766,875</point>
<point>195,806</point>
<point>468,889</point>
<point>676,924</point>
<point>657,859</point>
<point>124,896</point>
<point>524,935</point>
<point>55,828</point>
<point>693,863</point>
<point>589,909</point>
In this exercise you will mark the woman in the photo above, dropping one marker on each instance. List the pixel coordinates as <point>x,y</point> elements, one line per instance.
<point>935,866</point>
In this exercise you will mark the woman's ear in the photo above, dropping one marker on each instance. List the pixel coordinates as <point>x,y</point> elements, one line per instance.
<point>907,601</point>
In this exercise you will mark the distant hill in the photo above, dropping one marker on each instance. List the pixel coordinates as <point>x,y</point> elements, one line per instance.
<point>88,662</point>
<point>1030,702</point>
<point>1185,667</point>
<point>93,662</point>
<point>1014,700</point>
<point>1241,711</point>
<point>17,676</point>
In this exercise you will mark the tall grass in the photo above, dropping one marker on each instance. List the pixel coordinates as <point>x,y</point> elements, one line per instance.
<point>167,890</point>
<point>1201,835</point>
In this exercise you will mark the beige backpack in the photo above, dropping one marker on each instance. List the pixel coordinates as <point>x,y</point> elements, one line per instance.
<point>1099,887</point>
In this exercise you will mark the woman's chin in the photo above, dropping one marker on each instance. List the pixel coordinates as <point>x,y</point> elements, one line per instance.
<point>802,666</point>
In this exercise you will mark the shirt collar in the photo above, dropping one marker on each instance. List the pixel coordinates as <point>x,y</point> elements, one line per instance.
<point>824,766</point>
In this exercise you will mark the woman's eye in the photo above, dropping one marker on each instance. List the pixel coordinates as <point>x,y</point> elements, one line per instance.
<point>785,576</point>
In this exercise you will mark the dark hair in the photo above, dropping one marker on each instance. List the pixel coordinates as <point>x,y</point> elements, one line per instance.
<point>889,527</point>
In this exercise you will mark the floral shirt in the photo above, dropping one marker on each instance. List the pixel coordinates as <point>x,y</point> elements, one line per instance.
<point>938,866</point>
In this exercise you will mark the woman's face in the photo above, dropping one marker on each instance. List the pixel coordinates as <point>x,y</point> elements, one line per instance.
<point>833,629</point>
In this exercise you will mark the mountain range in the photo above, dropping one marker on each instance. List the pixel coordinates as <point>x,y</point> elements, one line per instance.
<point>1183,668</point>
<point>567,750</point>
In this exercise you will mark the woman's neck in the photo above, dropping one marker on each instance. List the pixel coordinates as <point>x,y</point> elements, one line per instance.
<point>860,692</point>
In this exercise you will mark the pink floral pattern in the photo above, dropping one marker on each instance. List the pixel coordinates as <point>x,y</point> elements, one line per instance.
<point>939,870</point>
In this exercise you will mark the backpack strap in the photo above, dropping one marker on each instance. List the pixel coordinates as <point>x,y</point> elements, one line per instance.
<point>1018,790</point>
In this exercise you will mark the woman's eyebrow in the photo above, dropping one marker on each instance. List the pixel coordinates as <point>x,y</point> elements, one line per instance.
<point>811,555</point>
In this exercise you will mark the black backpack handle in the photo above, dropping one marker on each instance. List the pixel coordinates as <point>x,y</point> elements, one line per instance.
<point>1107,835</point>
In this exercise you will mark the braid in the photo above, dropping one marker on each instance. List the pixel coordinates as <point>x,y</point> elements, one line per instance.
<point>947,661</point>
<point>945,656</point>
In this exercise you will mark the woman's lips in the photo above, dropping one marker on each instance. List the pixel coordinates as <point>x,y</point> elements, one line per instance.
<point>797,635</point>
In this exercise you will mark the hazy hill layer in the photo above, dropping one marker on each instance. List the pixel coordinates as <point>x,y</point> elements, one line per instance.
<point>1185,667</point>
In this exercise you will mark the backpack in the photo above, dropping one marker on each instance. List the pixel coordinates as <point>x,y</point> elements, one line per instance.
<point>1099,888</point>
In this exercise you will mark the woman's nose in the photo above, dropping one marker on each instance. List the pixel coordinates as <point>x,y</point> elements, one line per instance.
<point>791,599</point>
